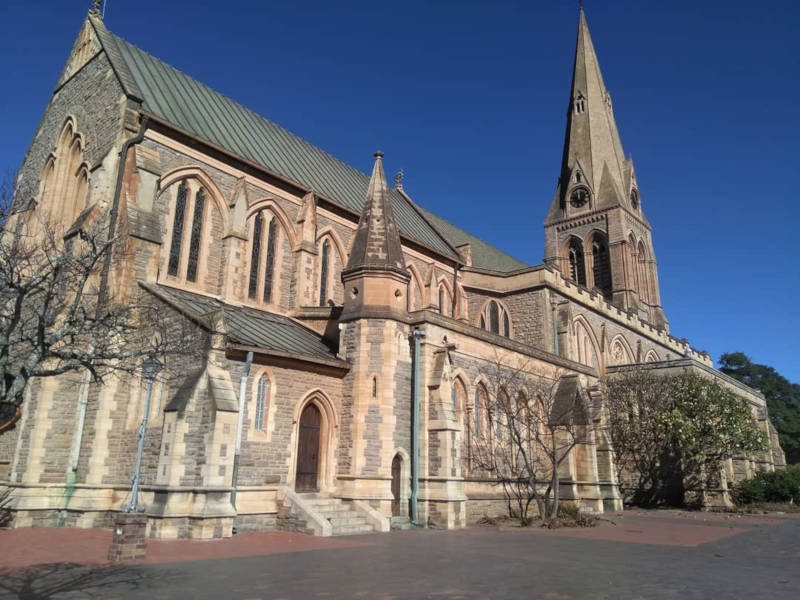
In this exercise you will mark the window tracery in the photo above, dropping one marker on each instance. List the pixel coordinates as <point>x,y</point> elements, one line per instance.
<point>264,240</point>
<point>495,319</point>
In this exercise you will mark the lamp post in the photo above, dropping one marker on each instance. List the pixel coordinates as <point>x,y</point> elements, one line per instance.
<point>151,367</point>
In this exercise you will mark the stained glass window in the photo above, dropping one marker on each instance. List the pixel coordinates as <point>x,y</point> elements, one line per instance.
<point>506,325</point>
<point>194,242</point>
<point>255,256</point>
<point>323,270</point>
<point>177,231</point>
<point>270,268</point>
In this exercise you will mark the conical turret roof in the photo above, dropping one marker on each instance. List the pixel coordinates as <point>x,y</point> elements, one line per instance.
<point>377,244</point>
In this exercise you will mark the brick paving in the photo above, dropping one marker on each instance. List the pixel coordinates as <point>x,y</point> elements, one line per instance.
<point>641,555</point>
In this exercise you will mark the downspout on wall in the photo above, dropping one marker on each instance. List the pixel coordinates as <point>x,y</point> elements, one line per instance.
<point>239,426</point>
<point>417,336</point>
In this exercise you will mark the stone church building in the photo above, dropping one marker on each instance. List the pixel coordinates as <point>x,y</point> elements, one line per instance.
<point>335,310</point>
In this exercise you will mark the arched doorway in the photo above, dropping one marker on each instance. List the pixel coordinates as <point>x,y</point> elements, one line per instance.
<point>307,473</point>
<point>397,474</point>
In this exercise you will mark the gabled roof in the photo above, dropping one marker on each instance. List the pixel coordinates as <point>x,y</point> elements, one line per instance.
<point>245,326</point>
<point>484,256</point>
<point>194,107</point>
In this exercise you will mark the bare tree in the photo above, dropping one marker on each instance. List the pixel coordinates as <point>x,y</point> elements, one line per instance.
<point>57,313</point>
<point>532,425</point>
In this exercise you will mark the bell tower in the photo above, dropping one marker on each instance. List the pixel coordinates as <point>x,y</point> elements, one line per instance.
<point>596,233</point>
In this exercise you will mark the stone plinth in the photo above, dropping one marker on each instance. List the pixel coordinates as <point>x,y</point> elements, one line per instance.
<point>129,541</point>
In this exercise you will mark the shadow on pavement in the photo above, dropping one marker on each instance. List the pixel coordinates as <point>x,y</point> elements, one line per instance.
<point>70,580</point>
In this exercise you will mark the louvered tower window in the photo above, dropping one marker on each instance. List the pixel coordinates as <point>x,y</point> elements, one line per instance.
<point>601,267</point>
<point>577,271</point>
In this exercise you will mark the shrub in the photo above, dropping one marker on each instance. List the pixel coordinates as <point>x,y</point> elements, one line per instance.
<point>780,486</point>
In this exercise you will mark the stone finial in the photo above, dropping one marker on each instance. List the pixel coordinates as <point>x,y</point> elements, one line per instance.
<point>398,180</point>
<point>96,8</point>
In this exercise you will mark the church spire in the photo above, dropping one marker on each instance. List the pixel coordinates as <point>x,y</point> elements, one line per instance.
<point>593,155</point>
<point>377,243</point>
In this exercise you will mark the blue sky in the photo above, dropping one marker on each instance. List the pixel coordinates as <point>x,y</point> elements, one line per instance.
<point>469,99</point>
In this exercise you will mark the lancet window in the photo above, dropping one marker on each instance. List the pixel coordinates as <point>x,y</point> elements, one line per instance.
<point>601,265</point>
<point>188,220</point>
<point>324,266</point>
<point>495,319</point>
<point>577,269</point>
<point>261,281</point>
<point>262,403</point>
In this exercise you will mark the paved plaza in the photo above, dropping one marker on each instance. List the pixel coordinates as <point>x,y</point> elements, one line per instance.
<point>638,555</point>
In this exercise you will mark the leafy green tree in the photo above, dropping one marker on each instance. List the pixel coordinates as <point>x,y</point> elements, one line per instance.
<point>783,397</point>
<point>672,433</point>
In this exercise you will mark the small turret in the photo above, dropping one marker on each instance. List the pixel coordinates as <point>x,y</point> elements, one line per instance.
<point>375,278</point>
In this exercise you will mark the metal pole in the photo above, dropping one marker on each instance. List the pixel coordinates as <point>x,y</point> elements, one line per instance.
<point>417,335</point>
<point>137,470</point>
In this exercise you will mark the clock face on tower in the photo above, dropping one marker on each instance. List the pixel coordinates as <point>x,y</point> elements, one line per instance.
<point>579,197</point>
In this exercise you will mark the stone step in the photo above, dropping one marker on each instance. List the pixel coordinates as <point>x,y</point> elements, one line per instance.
<point>349,520</point>
<point>352,529</point>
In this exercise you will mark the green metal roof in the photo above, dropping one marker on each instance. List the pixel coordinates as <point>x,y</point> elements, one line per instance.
<point>179,99</point>
<point>249,326</point>
<point>484,256</point>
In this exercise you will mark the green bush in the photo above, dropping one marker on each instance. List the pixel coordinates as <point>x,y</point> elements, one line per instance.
<point>777,486</point>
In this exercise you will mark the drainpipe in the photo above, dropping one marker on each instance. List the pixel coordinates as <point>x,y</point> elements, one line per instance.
<point>239,424</point>
<point>417,336</point>
<point>77,438</point>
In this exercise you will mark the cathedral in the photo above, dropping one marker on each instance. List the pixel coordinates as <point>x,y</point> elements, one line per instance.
<point>349,330</point>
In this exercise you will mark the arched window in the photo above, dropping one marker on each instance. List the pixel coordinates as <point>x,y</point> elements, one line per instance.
<point>177,230</point>
<point>459,395</point>
<point>194,241</point>
<point>189,213</point>
<point>262,262</point>
<point>577,271</point>
<point>495,319</point>
<point>643,268</point>
<point>323,273</point>
<point>262,403</point>
<point>65,177</point>
<point>255,255</point>
<point>269,268</point>
<point>601,265</point>
<point>481,405</point>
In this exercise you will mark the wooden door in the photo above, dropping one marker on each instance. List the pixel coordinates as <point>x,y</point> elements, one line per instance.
<point>308,450</point>
<point>397,464</point>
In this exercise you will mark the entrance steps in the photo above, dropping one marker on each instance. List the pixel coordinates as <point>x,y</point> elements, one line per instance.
<point>322,514</point>
<point>344,518</point>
